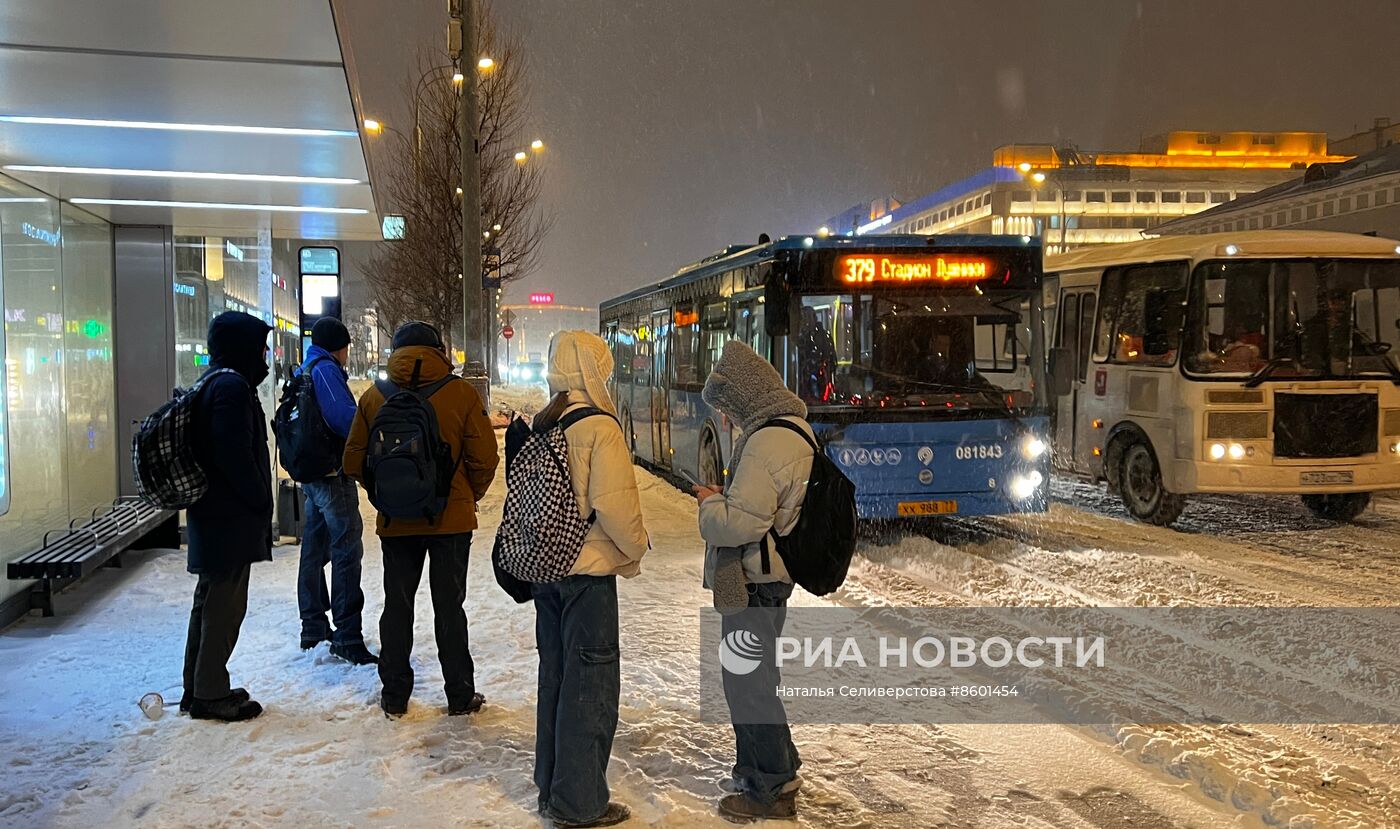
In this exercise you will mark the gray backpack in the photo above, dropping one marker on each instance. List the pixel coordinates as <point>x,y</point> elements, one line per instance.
<point>542,533</point>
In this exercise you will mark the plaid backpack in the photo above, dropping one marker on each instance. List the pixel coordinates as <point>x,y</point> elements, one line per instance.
<point>162,455</point>
<point>542,533</point>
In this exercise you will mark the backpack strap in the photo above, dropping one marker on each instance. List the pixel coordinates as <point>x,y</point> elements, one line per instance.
<point>579,414</point>
<point>778,422</point>
<point>791,427</point>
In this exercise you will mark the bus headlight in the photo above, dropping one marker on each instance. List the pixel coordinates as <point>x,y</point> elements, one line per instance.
<point>1235,451</point>
<point>1033,447</point>
<point>1024,486</point>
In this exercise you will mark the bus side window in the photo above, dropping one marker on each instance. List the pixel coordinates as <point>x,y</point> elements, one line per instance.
<point>1069,327</point>
<point>714,329</point>
<point>1144,299</point>
<point>1086,333</point>
<point>626,345</point>
<point>685,356</point>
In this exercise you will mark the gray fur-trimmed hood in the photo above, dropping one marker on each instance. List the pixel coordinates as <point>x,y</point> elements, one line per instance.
<point>749,391</point>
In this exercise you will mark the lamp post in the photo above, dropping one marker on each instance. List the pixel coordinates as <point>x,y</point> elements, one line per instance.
<point>1037,179</point>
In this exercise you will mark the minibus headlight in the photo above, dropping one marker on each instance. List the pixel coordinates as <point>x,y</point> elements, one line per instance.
<point>1217,451</point>
<point>1236,452</point>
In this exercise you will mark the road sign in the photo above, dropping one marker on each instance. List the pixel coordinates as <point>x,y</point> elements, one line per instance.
<point>507,332</point>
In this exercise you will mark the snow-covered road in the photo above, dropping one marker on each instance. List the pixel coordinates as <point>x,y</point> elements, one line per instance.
<point>78,752</point>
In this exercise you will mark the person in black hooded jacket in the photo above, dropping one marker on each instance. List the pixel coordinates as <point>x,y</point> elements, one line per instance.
<point>230,527</point>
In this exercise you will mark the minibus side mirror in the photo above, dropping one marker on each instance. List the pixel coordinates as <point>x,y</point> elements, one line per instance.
<point>1061,373</point>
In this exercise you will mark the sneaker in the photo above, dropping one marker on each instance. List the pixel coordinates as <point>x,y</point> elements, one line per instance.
<point>393,708</point>
<point>241,694</point>
<point>740,808</point>
<point>356,654</point>
<point>611,816</point>
<point>229,709</point>
<point>469,706</point>
<point>731,786</point>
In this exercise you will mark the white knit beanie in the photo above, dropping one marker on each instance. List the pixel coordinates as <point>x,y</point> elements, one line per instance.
<point>580,363</point>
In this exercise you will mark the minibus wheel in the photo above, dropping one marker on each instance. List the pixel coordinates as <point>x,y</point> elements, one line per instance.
<point>1340,506</point>
<point>1141,488</point>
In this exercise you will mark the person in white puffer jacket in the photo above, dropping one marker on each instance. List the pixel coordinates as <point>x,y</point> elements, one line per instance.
<point>576,619</point>
<point>769,469</point>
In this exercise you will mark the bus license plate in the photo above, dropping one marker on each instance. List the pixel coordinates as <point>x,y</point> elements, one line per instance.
<point>927,507</point>
<point>1325,478</point>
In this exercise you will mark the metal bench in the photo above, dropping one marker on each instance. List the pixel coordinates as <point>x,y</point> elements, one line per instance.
<point>67,555</point>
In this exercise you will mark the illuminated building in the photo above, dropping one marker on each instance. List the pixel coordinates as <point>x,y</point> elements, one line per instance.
<point>1070,198</point>
<point>1357,196</point>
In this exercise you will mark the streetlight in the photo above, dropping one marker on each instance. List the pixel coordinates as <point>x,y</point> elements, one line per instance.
<point>496,227</point>
<point>458,77</point>
<point>537,145</point>
<point>520,157</point>
<point>485,64</point>
<point>1037,179</point>
<point>373,126</point>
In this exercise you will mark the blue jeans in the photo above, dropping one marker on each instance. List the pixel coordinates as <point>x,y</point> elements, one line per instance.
<point>765,757</point>
<point>576,633</point>
<point>331,536</point>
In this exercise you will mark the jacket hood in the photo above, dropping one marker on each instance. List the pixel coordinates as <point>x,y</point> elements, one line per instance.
<point>236,341</point>
<point>580,363</point>
<point>432,365</point>
<point>749,390</point>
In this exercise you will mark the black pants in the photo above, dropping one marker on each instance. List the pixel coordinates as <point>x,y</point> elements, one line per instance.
<point>447,582</point>
<point>576,633</point>
<point>220,603</point>
<point>765,757</point>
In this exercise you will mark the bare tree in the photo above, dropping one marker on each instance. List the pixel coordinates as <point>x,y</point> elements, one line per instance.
<point>419,276</point>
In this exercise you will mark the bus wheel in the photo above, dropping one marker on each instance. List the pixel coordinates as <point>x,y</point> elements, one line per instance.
<point>1140,485</point>
<point>1343,506</point>
<point>711,467</point>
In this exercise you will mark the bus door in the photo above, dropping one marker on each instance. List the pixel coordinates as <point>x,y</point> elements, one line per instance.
<point>660,405</point>
<point>1078,307</point>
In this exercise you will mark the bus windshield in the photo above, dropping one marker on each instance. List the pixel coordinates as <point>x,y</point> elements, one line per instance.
<point>951,349</point>
<point>1301,318</point>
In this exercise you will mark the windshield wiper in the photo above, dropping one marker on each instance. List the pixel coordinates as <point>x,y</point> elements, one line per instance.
<point>1267,369</point>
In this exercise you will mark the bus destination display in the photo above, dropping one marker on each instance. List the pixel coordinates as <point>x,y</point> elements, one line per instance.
<point>863,268</point>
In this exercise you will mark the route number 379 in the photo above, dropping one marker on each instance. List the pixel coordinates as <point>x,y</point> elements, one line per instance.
<point>978,450</point>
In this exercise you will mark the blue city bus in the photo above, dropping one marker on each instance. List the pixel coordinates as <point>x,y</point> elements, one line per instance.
<point>919,358</point>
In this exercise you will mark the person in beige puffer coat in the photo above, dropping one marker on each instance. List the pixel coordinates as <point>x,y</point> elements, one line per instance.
<point>767,485</point>
<point>576,623</point>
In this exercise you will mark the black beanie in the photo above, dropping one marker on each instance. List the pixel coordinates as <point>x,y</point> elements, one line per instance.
<point>330,334</point>
<point>416,333</point>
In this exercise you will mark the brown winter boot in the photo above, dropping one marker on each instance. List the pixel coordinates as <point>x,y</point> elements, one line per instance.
<point>740,808</point>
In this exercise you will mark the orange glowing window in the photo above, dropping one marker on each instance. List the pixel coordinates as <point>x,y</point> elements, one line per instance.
<point>863,267</point>
<point>688,317</point>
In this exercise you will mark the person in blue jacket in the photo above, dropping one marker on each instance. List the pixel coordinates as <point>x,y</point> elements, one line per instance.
<point>333,530</point>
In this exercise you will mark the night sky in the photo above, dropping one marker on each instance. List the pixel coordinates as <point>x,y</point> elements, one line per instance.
<point>674,129</point>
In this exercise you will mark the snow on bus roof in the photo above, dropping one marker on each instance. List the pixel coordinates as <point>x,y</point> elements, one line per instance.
<point>1246,244</point>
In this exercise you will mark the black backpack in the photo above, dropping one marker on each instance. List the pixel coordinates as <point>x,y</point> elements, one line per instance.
<point>306,446</point>
<point>817,551</point>
<point>408,466</point>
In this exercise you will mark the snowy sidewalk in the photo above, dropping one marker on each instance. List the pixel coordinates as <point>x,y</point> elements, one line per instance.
<point>79,752</point>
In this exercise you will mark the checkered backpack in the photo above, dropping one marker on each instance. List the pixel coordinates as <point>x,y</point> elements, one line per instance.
<point>541,532</point>
<point>162,454</point>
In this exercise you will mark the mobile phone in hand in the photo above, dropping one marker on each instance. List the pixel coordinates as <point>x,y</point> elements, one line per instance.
<point>691,478</point>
